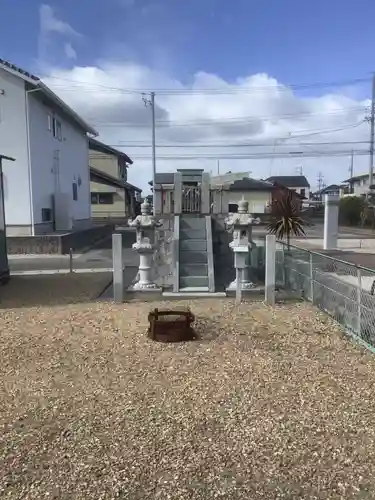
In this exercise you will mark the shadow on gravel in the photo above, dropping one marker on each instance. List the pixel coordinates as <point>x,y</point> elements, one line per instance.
<point>51,290</point>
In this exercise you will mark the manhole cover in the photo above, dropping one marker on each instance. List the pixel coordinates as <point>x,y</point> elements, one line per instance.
<point>171,326</point>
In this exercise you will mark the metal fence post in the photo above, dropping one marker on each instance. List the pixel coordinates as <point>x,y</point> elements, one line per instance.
<point>359,299</point>
<point>118,269</point>
<point>311,278</point>
<point>270,279</point>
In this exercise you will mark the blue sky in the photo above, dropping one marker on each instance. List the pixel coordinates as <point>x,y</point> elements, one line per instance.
<point>295,41</point>
<point>165,43</point>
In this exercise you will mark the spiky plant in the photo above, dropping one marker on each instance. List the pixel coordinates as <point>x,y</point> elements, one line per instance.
<point>285,217</point>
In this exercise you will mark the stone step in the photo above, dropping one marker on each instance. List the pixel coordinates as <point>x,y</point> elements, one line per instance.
<point>187,269</point>
<point>193,281</point>
<point>192,234</point>
<point>191,222</point>
<point>193,293</point>
<point>192,257</point>
<point>195,245</point>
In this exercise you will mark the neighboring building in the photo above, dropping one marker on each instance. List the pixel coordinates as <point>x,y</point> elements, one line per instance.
<point>331,190</point>
<point>297,183</point>
<point>111,195</point>
<point>47,188</point>
<point>358,185</point>
<point>258,193</point>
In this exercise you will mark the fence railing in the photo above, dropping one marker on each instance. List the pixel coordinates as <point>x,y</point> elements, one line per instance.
<point>345,291</point>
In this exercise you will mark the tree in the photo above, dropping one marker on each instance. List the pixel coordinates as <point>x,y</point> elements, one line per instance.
<point>285,216</point>
<point>351,209</point>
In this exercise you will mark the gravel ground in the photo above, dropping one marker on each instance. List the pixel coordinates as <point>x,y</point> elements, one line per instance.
<point>268,404</point>
<point>52,289</point>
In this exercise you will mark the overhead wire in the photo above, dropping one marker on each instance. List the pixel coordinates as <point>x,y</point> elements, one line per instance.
<point>194,91</point>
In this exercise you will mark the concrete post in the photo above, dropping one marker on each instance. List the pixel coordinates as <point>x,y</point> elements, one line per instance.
<point>118,268</point>
<point>205,194</point>
<point>224,208</point>
<point>331,222</point>
<point>158,199</point>
<point>178,193</point>
<point>168,202</point>
<point>270,281</point>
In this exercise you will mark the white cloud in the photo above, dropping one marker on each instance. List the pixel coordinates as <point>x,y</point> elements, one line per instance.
<point>69,51</point>
<point>51,26</point>
<point>49,23</point>
<point>256,109</point>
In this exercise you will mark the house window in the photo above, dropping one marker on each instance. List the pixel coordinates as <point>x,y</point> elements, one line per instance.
<point>75,191</point>
<point>303,192</point>
<point>49,122</point>
<point>233,208</point>
<point>46,215</point>
<point>102,198</point>
<point>57,130</point>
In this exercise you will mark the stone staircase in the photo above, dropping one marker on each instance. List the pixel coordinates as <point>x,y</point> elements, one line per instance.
<point>194,257</point>
<point>193,254</point>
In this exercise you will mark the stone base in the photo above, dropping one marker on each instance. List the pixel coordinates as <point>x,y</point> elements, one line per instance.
<point>257,292</point>
<point>139,287</point>
<point>245,286</point>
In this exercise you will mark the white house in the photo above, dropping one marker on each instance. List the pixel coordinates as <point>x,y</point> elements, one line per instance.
<point>47,188</point>
<point>358,185</point>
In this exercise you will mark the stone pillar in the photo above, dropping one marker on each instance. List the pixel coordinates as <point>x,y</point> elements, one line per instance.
<point>217,200</point>
<point>178,193</point>
<point>118,268</point>
<point>167,209</point>
<point>205,194</point>
<point>331,222</point>
<point>270,280</point>
<point>157,199</point>
<point>224,201</point>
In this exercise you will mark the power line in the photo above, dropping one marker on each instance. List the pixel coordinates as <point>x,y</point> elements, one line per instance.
<point>228,121</point>
<point>194,91</point>
<point>291,154</point>
<point>246,119</point>
<point>248,145</point>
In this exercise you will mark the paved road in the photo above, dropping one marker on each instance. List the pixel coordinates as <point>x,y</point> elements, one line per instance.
<point>99,257</point>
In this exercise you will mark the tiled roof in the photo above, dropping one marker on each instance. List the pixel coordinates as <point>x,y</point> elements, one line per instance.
<point>290,181</point>
<point>98,174</point>
<point>357,178</point>
<point>248,184</point>
<point>164,178</point>
<point>96,145</point>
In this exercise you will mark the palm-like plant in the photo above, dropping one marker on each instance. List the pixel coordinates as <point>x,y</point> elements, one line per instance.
<point>285,217</point>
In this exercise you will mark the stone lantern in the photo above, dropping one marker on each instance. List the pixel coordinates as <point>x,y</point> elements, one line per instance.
<point>240,225</point>
<point>145,247</point>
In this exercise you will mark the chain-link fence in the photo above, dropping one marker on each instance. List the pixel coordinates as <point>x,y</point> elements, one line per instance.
<point>343,290</point>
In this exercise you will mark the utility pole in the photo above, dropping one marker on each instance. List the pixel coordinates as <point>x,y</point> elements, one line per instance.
<point>320,181</point>
<point>351,171</point>
<point>372,132</point>
<point>299,170</point>
<point>218,167</point>
<point>151,102</point>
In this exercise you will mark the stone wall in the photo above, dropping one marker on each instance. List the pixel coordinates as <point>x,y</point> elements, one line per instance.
<point>58,243</point>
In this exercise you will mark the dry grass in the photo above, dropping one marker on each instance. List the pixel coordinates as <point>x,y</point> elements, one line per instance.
<point>52,289</point>
<point>270,403</point>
